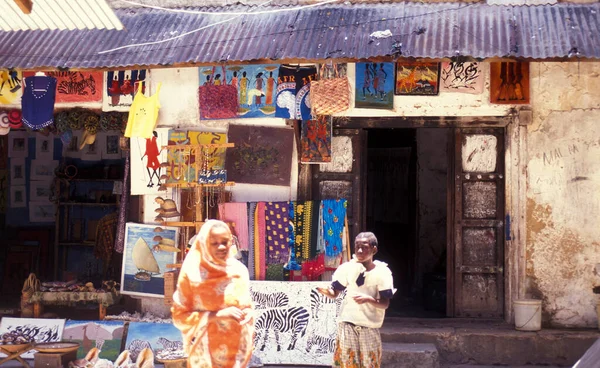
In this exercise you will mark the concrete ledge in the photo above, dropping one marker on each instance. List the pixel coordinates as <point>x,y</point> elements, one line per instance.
<point>398,355</point>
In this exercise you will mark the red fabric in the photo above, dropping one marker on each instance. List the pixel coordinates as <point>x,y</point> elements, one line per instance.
<point>262,252</point>
<point>152,153</point>
<point>236,213</point>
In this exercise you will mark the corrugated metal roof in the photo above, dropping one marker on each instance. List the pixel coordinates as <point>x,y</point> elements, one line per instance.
<point>333,31</point>
<point>58,14</point>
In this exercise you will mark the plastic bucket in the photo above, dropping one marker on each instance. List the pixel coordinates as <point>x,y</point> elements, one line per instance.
<point>528,314</point>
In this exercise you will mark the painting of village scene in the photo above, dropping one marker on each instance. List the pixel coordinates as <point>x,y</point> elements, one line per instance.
<point>146,257</point>
<point>164,339</point>
<point>106,336</point>
<point>416,78</point>
<point>256,86</point>
<point>374,86</point>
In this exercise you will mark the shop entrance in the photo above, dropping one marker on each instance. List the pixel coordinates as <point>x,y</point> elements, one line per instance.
<point>406,208</point>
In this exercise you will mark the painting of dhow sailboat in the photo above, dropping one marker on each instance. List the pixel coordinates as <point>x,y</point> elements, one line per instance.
<point>144,264</point>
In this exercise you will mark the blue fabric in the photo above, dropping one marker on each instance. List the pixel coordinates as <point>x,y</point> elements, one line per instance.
<point>292,264</point>
<point>334,215</point>
<point>293,90</point>
<point>37,105</point>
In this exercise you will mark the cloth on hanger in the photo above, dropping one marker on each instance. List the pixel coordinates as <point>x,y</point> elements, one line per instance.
<point>123,210</point>
<point>236,213</point>
<point>306,225</point>
<point>293,92</point>
<point>37,102</point>
<point>105,237</point>
<point>251,242</point>
<point>260,241</point>
<point>334,214</point>
<point>277,231</point>
<point>143,114</point>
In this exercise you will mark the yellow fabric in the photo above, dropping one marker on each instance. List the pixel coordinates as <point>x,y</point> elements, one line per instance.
<point>143,114</point>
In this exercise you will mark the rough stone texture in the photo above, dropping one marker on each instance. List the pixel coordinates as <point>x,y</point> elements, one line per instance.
<point>397,355</point>
<point>563,248</point>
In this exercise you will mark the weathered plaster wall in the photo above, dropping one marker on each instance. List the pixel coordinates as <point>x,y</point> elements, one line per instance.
<point>563,205</point>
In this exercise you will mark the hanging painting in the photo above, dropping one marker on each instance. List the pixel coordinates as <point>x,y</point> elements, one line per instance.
<point>464,77</point>
<point>147,157</point>
<point>106,336</point>
<point>294,323</point>
<point>509,83</point>
<point>18,144</point>
<point>179,168</point>
<point>43,170</point>
<point>44,147</point>
<point>316,140</point>
<point>41,330</point>
<point>109,143</point>
<point>262,155</point>
<point>40,191</point>
<point>416,78</point>
<point>374,86</point>
<point>293,92</point>
<point>163,338</point>
<point>76,87</point>
<point>217,98</point>
<point>145,260</point>
<point>121,86</point>
<point>17,196</point>
<point>42,211</point>
<point>11,87</point>
<point>17,171</point>
<point>213,159</point>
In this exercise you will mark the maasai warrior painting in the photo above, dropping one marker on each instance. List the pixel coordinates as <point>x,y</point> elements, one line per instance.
<point>374,85</point>
<point>316,140</point>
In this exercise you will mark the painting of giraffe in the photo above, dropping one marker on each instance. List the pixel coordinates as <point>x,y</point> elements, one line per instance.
<point>106,336</point>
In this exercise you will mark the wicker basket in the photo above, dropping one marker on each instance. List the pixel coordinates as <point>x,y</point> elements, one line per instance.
<point>170,285</point>
<point>329,96</point>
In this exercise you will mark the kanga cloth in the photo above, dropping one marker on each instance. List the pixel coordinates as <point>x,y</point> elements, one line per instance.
<point>357,346</point>
<point>251,212</point>
<point>143,114</point>
<point>306,223</point>
<point>105,237</point>
<point>293,88</point>
<point>334,214</point>
<point>237,214</point>
<point>260,253</point>
<point>292,264</point>
<point>37,103</point>
<point>277,230</point>
<point>207,285</point>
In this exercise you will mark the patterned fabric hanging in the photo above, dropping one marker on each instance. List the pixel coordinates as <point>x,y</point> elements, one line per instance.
<point>236,213</point>
<point>306,228</point>
<point>314,268</point>
<point>334,213</point>
<point>251,212</point>
<point>260,241</point>
<point>277,230</point>
<point>293,263</point>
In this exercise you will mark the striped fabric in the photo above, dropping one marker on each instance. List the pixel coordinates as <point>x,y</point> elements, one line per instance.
<point>251,241</point>
<point>237,214</point>
<point>260,242</point>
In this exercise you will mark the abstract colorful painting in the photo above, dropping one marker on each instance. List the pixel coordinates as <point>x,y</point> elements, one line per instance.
<point>73,87</point>
<point>121,86</point>
<point>11,87</point>
<point>374,86</point>
<point>144,261</point>
<point>262,155</point>
<point>509,83</point>
<point>464,77</point>
<point>316,140</point>
<point>40,329</point>
<point>156,336</point>
<point>104,335</point>
<point>416,78</point>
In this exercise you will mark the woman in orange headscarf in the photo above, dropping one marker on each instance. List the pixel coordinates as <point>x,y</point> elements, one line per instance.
<point>212,305</point>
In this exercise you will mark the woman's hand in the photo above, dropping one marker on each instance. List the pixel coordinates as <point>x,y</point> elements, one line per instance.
<point>248,315</point>
<point>231,312</point>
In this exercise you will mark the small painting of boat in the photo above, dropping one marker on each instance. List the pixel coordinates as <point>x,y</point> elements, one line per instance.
<point>144,261</point>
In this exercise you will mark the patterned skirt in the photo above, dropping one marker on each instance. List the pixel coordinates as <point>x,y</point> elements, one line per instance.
<point>357,347</point>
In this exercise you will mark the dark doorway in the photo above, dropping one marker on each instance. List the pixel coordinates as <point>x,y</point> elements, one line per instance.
<point>406,209</point>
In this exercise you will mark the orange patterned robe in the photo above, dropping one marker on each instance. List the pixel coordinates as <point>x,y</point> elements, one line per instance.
<point>205,287</point>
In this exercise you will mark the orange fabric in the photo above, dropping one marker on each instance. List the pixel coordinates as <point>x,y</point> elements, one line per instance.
<point>205,287</point>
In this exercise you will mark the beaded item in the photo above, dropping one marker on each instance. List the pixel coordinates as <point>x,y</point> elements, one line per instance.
<point>37,102</point>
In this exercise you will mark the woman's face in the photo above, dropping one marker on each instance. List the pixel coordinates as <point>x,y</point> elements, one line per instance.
<point>219,242</point>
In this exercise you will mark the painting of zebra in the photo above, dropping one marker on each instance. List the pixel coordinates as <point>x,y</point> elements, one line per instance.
<point>75,87</point>
<point>318,301</point>
<point>170,345</point>
<point>162,338</point>
<point>136,346</point>
<point>323,344</point>
<point>293,319</point>
<point>269,300</point>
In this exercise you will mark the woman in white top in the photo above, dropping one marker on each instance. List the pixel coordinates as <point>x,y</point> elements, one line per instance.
<point>369,287</point>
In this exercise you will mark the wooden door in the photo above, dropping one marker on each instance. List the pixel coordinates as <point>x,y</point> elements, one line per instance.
<point>476,266</point>
<point>342,178</point>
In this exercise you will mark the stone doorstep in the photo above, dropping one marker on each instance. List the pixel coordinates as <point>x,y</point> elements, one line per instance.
<point>496,344</point>
<point>406,355</point>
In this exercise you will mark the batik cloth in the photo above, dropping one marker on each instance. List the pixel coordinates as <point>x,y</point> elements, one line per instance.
<point>357,346</point>
<point>334,215</point>
<point>251,212</point>
<point>260,241</point>
<point>277,232</point>
<point>292,263</point>
<point>293,87</point>
<point>207,285</point>
<point>37,103</point>
<point>306,227</point>
<point>236,214</point>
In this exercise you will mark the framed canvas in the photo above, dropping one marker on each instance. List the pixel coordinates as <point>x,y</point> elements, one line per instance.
<point>144,264</point>
<point>110,146</point>
<point>262,155</point>
<point>462,77</point>
<point>374,87</point>
<point>17,171</point>
<point>41,329</point>
<point>417,78</point>
<point>121,86</point>
<point>76,87</point>
<point>42,212</point>
<point>43,170</point>
<point>157,336</point>
<point>18,144</point>
<point>40,191</point>
<point>11,87</point>
<point>44,147</point>
<point>107,336</point>
<point>18,196</point>
<point>509,83</point>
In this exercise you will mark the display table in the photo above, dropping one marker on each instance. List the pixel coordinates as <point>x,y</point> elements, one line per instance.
<point>39,299</point>
<point>14,352</point>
